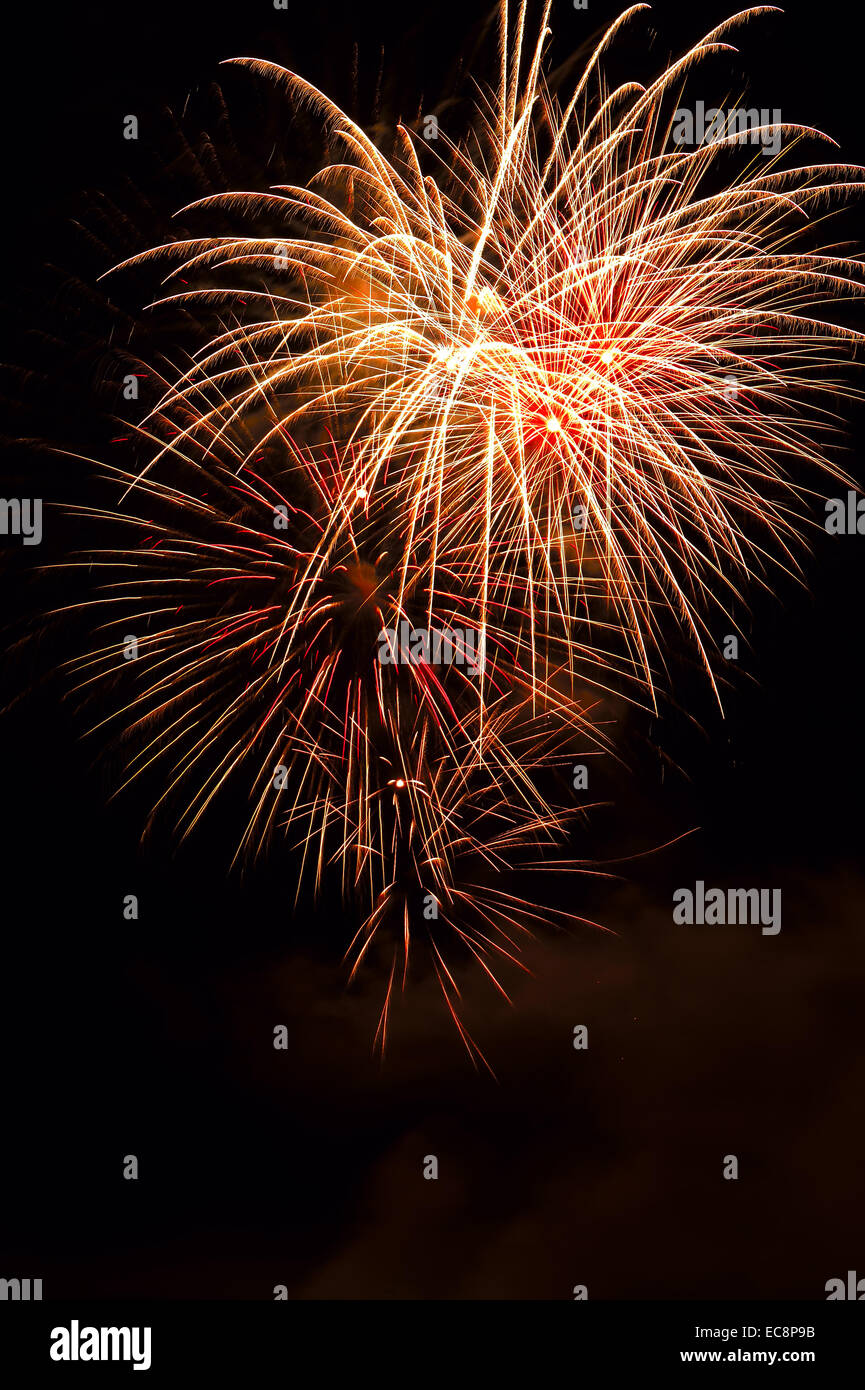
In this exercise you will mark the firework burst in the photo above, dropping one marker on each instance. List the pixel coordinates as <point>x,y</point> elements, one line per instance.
<point>549,325</point>
<point>486,385</point>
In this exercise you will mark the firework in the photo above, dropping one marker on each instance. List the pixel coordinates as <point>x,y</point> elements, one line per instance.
<point>549,327</point>
<point>485,384</point>
<point>264,662</point>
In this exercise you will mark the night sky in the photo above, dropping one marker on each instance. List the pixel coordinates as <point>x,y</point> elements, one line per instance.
<point>304,1167</point>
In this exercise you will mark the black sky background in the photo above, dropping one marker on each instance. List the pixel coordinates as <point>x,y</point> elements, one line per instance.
<point>155,1038</point>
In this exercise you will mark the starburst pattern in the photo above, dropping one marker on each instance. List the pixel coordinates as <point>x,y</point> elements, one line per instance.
<point>547,382</point>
